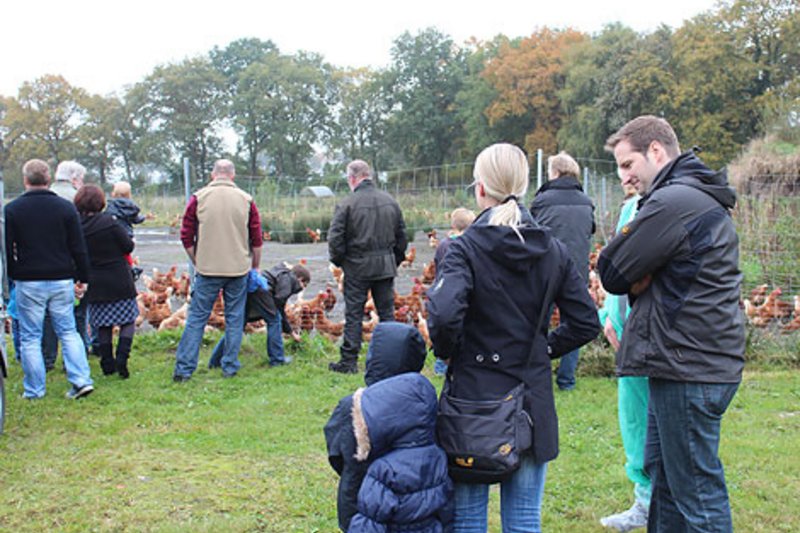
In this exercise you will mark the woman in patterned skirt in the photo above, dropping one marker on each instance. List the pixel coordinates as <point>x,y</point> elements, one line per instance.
<point>112,293</point>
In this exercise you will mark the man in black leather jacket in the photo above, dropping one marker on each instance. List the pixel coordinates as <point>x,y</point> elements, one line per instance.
<point>367,238</point>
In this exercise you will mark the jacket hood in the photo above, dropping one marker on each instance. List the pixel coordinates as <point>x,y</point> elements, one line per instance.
<point>395,349</point>
<point>92,224</point>
<point>504,244</point>
<point>398,412</point>
<point>123,206</point>
<point>688,169</point>
<point>562,182</point>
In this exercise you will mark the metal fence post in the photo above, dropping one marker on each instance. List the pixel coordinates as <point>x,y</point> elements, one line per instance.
<point>539,156</point>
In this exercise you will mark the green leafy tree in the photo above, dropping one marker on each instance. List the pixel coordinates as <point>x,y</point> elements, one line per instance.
<point>475,98</point>
<point>98,134</point>
<point>281,109</point>
<point>610,79</point>
<point>426,74</point>
<point>47,113</point>
<point>188,103</point>
<point>361,117</point>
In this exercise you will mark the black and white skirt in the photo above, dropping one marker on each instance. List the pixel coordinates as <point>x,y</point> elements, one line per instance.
<point>104,314</point>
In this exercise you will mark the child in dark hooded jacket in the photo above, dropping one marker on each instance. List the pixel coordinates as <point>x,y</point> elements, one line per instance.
<point>406,473</point>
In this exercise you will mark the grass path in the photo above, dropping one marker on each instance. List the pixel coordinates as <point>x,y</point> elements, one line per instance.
<point>248,454</point>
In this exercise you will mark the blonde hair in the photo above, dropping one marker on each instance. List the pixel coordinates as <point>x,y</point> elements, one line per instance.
<point>503,170</point>
<point>122,189</point>
<point>562,164</point>
<point>461,218</point>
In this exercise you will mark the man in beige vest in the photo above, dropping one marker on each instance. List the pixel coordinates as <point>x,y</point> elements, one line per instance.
<point>221,233</point>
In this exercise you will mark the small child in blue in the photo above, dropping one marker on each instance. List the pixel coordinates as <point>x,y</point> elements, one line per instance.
<point>381,441</point>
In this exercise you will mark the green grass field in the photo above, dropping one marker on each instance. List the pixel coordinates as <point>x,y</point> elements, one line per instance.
<point>248,454</point>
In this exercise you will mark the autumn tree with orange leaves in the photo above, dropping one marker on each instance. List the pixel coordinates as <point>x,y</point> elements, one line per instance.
<point>527,75</point>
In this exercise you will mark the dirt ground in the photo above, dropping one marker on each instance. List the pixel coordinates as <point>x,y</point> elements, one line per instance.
<point>161,248</point>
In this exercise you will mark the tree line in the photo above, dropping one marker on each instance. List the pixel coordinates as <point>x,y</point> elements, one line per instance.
<point>721,79</point>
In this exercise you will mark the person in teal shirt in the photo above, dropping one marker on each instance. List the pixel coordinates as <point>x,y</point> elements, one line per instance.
<point>632,393</point>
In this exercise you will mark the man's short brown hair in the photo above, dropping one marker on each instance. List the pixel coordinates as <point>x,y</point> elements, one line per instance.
<point>642,131</point>
<point>36,172</point>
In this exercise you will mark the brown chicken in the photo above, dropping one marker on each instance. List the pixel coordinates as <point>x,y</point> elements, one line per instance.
<point>428,273</point>
<point>331,330</point>
<point>411,254</point>
<point>217,317</point>
<point>315,236</point>
<point>759,294</point>
<point>422,326</point>
<point>175,320</point>
<point>774,307</point>
<point>368,327</point>
<point>338,276</point>
<point>433,240</point>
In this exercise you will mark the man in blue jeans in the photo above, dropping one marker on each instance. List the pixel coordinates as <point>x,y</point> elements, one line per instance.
<point>221,233</point>
<point>270,305</point>
<point>46,255</point>
<point>678,262</point>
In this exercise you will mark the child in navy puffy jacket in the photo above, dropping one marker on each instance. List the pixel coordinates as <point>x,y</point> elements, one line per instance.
<point>396,350</point>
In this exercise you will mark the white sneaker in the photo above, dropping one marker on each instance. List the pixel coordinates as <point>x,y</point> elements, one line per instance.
<point>633,518</point>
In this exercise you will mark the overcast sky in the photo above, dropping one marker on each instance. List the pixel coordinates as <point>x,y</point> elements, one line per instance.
<point>104,45</point>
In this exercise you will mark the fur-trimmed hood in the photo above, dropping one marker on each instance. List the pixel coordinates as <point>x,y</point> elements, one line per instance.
<point>399,412</point>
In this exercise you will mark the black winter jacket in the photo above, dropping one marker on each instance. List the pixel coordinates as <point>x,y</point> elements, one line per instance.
<point>687,325</point>
<point>395,349</point>
<point>44,240</point>
<point>562,206</point>
<point>484,305</point>
<point>367,236</point>
<point>126,212</point>
<point>110,277</point>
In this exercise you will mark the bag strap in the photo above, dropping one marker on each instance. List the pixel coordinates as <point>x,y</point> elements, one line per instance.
<point>548,294</point>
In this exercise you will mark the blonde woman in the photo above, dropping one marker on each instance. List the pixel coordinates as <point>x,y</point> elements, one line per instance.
<point>483,310</point>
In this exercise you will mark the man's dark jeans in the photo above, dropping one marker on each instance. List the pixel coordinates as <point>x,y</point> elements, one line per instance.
<point>681,456</point>
<point>355,296</point>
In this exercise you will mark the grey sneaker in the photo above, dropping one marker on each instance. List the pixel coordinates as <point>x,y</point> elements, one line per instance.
<point>79,392</point>
<point>633,518</point>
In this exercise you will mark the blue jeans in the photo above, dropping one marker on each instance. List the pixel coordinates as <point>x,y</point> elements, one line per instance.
<point>204,294</point>
<point>274,343</point>
<point>520,501</point>
<point>34,298</point>
<point>681,456</point>
<point>565,376</point>
<point>50,339</point>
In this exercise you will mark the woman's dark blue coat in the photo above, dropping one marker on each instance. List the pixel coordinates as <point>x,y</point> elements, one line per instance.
<point>483,309</point>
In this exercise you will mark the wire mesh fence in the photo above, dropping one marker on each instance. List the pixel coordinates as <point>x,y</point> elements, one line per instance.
<point>766,213</point>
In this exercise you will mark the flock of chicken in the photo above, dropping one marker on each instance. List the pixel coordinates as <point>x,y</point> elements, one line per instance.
<point>763,308</point>
<point>167,290</point>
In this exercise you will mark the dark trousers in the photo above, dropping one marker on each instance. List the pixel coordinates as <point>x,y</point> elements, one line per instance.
<point>355,296</point>
<point>681,457</point>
